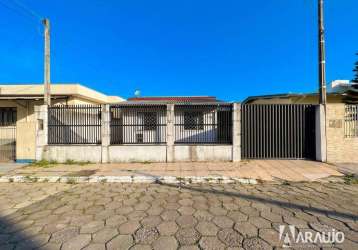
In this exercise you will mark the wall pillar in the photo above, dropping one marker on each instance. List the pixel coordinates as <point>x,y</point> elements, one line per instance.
<point>321,134</point>
<point>170,133</point>
<point>236,133</point>
<point>105,132</point>
<point>41,115</point>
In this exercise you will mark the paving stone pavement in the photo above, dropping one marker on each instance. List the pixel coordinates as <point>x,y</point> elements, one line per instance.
<point>164,216</point>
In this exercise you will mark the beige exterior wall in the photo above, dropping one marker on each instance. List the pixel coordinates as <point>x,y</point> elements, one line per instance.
<point>339,148</point>
<point>26,123</point>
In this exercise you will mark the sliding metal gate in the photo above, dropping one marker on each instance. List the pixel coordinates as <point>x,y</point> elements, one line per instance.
<point>275,131</point>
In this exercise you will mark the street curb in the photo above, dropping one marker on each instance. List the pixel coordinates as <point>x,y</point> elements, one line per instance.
<point>126,179</point>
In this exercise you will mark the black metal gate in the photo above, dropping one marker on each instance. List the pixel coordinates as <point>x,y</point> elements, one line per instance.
<point>7,134</point>
<point>275,131</point>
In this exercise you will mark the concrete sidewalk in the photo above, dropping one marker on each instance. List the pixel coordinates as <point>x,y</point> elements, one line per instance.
<point>6,167</point>
<point>246,171</point>
<point>347,168</point>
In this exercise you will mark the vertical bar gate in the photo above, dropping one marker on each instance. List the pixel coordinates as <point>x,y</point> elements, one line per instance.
<point>7,134</point>
<point>275,131</point>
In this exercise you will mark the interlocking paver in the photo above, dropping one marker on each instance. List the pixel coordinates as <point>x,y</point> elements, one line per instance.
<point>120,242</point>
<point>256,243</point>
<point>153,216</point>
<point>230,237</point>
<point>246,229</point>
<point>211,243</point>
<point>78,242</point>
<point>186,221</point>
<point>207,228</point>
<point>187,236</point>
<point>165,243</point>
<point>129,227</point>
<point>151,221</point>
<point>104,235</point>
<point>167,228</point>
<point>170,215</point>
<point>116,220</point>
<point>95,246</point>
<point>146,235</point>
<point>64,234</point>
<point>223,221</point>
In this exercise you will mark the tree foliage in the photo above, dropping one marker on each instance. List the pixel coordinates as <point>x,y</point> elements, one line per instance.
<point>355,80</point>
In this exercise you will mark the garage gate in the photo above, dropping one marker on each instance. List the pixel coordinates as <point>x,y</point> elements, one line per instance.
<point>7,134</point>
<point>276,131</point>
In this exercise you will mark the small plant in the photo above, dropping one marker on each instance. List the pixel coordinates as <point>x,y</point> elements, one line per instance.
<point>43,164</point>
<point>28,178</point>
<point>350,179</point>
<point>45,180</point>
<point>208,179</point>
<point>73,162</point>
<point>104,180</point>
<point>11,179</point>
<point>71,180</point>
<point>70,162</point>
<point>190,181</point>
<point>146,162</point>
<point>286,183</point>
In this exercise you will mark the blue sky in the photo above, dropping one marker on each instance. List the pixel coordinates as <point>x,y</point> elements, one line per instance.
<point>229,49</point>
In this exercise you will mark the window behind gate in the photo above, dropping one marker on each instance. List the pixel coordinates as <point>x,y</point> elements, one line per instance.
<point>149,120</point>
<point>193,120</point>
<point>7,116</point>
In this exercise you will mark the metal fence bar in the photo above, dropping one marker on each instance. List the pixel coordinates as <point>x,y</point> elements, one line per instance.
<point>138,124</point>
<point>203,123</point>
<point>74,124</point>
<point>351,121</point>
<point>275,131</point>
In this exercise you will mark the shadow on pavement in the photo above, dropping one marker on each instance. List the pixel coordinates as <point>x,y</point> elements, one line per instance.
<point>257,199</point>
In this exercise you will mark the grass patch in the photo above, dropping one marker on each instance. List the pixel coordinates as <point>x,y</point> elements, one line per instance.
<point>43,164</point>
<point>286,183</point>
<point>350,179</point>
<point>73,162</point>
<point>71,180</point>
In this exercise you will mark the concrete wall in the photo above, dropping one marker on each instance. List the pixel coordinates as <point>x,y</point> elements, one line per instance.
<point>80,153</point>
<point>137,153</point>
<point>339,148</point>
<point>202,153</point>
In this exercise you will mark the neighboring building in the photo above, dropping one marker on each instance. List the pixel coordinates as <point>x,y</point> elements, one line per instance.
<point>17,116</point>
<point>342,91</point>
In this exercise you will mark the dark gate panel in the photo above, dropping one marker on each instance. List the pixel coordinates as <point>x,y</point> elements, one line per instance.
<point>276,131</point>
<point>7,134</point>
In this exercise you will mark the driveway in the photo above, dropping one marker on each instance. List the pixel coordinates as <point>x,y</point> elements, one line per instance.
<point>165,216</point>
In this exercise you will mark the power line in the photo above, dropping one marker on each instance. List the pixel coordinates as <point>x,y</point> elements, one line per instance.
<point>27,9</point>
<point>21,9</point>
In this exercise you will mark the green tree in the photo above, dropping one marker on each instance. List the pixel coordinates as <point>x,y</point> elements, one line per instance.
<point>355,80</point>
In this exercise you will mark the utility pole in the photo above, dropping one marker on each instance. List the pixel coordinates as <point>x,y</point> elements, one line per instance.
<point>47,87</point>
<point>322,56</point>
